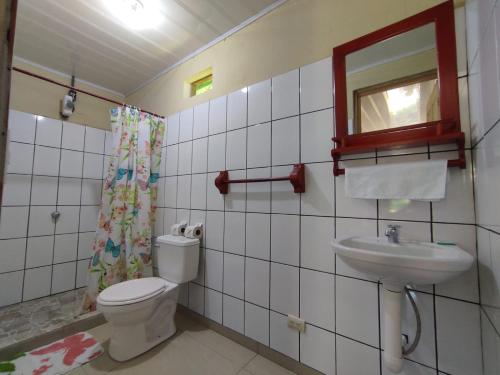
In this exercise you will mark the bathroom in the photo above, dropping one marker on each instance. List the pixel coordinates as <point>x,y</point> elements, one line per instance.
<point>264,208</point>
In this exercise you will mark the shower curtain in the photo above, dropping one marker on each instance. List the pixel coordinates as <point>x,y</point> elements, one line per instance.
<point>122,245</point>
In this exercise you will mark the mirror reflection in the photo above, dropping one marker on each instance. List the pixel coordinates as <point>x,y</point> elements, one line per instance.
<point>393,83</point>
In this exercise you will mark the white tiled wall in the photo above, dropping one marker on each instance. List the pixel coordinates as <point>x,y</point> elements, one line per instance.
<point>483,38</point>
<point>266,251</point>
<point>53,165</point>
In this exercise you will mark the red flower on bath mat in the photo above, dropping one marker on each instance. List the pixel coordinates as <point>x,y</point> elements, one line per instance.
<point>73,347</point>
<point>41,369</point>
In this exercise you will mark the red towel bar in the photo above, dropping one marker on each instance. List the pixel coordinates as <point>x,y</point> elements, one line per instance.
<point>296,178</point>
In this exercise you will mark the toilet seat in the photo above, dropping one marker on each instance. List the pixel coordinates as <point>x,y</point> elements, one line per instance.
<point>134,291</point>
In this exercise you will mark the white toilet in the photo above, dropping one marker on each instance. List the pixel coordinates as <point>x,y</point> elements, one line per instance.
<point>141,311</point>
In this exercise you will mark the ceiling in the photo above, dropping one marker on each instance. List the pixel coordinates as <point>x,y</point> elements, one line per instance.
<point>82,37</point>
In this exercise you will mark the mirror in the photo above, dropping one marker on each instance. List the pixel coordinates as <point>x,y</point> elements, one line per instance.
<point>393,83</point>
<point>397,87</point>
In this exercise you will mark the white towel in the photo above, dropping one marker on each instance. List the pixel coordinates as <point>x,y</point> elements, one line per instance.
<point>422,180</point>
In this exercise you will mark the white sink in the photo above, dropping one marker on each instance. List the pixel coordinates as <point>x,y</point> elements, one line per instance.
<point>396,265</point>
<point>406,262</point>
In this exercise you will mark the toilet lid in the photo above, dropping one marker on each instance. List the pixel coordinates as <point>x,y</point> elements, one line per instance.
<point>132,291</point>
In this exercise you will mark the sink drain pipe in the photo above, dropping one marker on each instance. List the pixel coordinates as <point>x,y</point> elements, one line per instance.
<point>393,348</point>
<point>416,340</point>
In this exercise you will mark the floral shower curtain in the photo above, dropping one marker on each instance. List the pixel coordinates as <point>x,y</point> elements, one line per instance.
<point>122,246</point>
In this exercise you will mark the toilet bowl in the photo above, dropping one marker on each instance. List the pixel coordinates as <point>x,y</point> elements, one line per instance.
<point>141,311</point>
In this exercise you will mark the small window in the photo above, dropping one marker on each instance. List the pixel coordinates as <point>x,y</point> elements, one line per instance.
<point>201,85</point>
<point>198,83</point>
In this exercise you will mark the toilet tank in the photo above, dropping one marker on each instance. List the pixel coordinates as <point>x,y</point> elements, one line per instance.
<point>178,258</point>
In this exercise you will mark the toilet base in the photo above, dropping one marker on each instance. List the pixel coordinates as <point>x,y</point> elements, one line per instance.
<point>152,325</point>
<point>128,344</point>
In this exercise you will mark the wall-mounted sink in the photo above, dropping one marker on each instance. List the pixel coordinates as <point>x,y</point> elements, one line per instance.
<point>406,262</point>
<point>396,265</point>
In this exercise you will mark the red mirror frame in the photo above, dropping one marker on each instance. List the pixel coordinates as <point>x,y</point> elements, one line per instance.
<point>446,130</point>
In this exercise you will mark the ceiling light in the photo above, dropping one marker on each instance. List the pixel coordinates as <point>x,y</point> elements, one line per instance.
<point>136,14</point>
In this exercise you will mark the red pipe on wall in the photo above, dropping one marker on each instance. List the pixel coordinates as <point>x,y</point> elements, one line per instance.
<point>74,88</point>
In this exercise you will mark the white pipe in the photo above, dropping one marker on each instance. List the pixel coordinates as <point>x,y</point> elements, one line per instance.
<point>393,350</point>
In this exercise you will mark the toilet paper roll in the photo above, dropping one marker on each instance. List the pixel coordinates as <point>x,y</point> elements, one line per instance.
<point>175,230</point>
<point>194,231</point>
<point>178,229</point>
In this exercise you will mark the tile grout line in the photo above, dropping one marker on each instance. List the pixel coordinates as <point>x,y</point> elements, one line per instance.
<point>56,208</point>
<point>300,221</point>
<point>224,220</point>
<point>379,307</point>
<point>270,250</point>
<point>29,213</point>
<point>206,214</point>
<point>246,221</point>
<point>91,252</point>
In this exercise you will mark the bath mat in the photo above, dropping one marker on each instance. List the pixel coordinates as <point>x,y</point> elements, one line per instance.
<point>56,358</point>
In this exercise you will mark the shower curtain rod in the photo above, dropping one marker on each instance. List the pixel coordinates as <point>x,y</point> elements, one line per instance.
<point>78,90</point>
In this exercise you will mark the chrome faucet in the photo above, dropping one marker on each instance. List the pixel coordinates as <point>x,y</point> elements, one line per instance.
<point>392,233</point>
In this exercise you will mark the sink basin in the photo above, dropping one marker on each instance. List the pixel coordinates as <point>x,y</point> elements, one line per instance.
<point>396,265</point>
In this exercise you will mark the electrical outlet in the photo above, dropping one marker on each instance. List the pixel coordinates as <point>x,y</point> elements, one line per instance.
<point>296,323</point>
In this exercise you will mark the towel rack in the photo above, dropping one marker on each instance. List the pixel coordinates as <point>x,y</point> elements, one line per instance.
<point>459,163</point>
<point>296,178</point>
<point>454,137</point>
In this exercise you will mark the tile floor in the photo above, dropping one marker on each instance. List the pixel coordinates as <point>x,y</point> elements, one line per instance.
<point>193,350</point>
